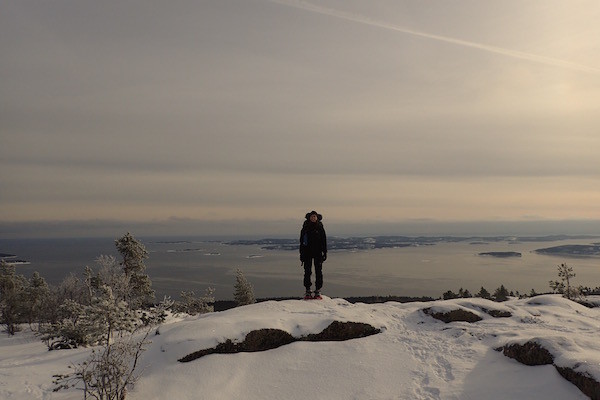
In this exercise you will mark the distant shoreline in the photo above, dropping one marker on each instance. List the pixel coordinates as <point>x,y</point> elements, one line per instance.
<point>383,242</point>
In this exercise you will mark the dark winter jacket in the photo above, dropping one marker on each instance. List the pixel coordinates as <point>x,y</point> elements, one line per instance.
<point>313,240</point>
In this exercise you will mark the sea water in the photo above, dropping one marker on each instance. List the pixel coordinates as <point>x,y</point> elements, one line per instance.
<point>195,264</point>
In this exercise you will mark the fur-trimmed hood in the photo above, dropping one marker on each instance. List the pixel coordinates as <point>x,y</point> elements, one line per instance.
<point>319,216</point>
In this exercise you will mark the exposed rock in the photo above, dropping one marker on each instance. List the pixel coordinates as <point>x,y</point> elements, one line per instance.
<point>267,339</point>
<point>587,303</point>
<point>458,315</point>
<point>498,313</point>
<point>588,385</point>
<point>338,331</point>
<point>63,345</point>
<point>530,353</point>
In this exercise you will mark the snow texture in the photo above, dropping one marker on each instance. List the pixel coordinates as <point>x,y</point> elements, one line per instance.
<point>414,357</point>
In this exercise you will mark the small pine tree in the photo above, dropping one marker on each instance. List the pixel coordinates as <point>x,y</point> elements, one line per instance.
<point>449,295</point>
<point>565,273</point>
<point>243,290</point>
<point>557,286</point>
<point>484,294</point>
<point>501,294</point>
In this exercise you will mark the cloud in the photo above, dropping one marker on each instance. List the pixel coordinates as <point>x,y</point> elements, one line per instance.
<point>255,109</point>
<point>307,6</point>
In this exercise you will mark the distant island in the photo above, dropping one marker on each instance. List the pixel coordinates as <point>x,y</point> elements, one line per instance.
<point>12,259</point>
<point>572,250</point>
<point>501,254</point>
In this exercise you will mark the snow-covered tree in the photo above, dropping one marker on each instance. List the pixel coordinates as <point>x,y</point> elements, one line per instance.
<point>158,314</point>
<point>483,293</point>
<point>108,373</point>
<point>37,294</point>
<point>110,274</point>
<point>134,253</point>
<point>12,293</point>
<point>192,305</point>
<point>108,315</point>
<point>243,291</point>
<point>92,324</point>
<point>70,328</point>
<point>71,288</point>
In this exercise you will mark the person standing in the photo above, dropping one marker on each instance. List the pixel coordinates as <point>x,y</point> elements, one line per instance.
<point>313,250</point>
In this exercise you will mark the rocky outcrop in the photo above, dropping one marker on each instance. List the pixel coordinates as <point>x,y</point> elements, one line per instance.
<point>497,313</point>
<point>339,331</point>
<point>258,340</point>
<point>532,353</point>
<point>588,385</point>
<point>267,339</point>
<point>463,315</point>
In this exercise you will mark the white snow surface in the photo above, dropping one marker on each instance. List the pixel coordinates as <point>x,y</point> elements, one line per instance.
<point>414,357</point>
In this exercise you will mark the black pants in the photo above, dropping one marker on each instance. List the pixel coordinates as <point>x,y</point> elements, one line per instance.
<point>308,262</point>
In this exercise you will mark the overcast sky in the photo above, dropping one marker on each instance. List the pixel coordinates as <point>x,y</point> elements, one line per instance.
<point>244,110</point>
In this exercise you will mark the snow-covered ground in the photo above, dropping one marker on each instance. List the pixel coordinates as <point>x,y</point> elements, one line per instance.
<point>414,357</point>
